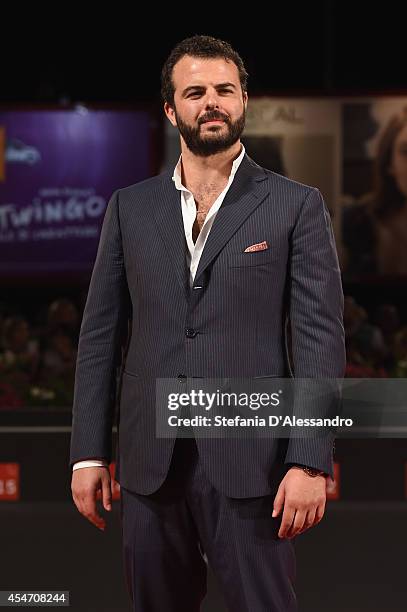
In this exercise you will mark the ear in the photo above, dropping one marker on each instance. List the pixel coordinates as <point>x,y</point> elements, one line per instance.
<point>245,99</point>
<point>169,111</point>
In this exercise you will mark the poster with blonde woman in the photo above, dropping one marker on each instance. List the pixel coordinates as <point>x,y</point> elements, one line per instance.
<point>374,218</point>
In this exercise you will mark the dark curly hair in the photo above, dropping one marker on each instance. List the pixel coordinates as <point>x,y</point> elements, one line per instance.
<point>199,46</point>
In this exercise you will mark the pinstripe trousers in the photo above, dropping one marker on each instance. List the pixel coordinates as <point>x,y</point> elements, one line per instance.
<point>165,533</point>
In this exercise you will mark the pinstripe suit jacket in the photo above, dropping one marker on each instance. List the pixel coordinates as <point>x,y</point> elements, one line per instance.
<point>140,305</point>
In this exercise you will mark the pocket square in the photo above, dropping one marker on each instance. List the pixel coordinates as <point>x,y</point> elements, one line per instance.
<point>260,246</point>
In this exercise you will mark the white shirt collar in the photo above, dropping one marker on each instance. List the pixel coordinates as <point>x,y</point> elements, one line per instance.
<point>176,177</point>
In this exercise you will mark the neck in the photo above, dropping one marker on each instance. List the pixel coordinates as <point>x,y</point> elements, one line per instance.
<point>213,169</point>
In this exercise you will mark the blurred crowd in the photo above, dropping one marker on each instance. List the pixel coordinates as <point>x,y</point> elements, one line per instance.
<point>376,344</point>
<point>37,361</point>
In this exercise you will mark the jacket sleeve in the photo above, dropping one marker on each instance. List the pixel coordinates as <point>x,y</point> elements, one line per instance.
<point>317,332</point>
<point>102,336</point>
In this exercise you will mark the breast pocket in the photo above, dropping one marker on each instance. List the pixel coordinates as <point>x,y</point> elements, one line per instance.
<point>255,258</point>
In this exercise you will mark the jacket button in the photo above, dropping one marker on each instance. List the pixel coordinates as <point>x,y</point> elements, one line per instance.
<point>190,332</point>
<point>182,378</point>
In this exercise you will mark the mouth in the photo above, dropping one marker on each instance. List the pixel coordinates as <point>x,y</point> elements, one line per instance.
<point>214,121</point>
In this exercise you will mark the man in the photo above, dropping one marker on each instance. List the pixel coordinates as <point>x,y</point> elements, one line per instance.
<point>205,264</point>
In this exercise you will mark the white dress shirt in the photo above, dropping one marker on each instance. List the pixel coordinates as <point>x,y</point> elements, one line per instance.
<point>189,210</point>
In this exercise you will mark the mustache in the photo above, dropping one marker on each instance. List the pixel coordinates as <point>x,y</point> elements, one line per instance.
<point>213,116</point>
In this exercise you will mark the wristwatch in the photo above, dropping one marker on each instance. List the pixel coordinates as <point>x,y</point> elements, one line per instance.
<point>313,472</point>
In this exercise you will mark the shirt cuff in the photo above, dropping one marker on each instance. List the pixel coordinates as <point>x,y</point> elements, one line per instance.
<point>90,463</point>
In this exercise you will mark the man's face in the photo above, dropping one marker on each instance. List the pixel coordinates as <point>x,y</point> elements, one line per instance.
<point>209,105</point>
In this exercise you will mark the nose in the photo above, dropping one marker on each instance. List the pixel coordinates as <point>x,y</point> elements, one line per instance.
<point>211,100</point>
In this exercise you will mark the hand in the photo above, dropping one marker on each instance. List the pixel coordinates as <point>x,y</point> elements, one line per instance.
<point>303,498</point>
<point>86,482</point>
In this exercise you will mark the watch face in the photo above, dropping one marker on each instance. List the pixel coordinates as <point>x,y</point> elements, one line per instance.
<point>314,471</point>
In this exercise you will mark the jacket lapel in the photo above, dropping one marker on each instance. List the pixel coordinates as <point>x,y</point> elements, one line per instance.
<point>168,216</point>
<point>248,189</point>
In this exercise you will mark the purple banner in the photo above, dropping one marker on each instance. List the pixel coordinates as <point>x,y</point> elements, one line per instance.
<point>57,172</point>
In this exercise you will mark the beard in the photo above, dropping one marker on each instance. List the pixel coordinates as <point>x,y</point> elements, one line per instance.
<point>217,140</point>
